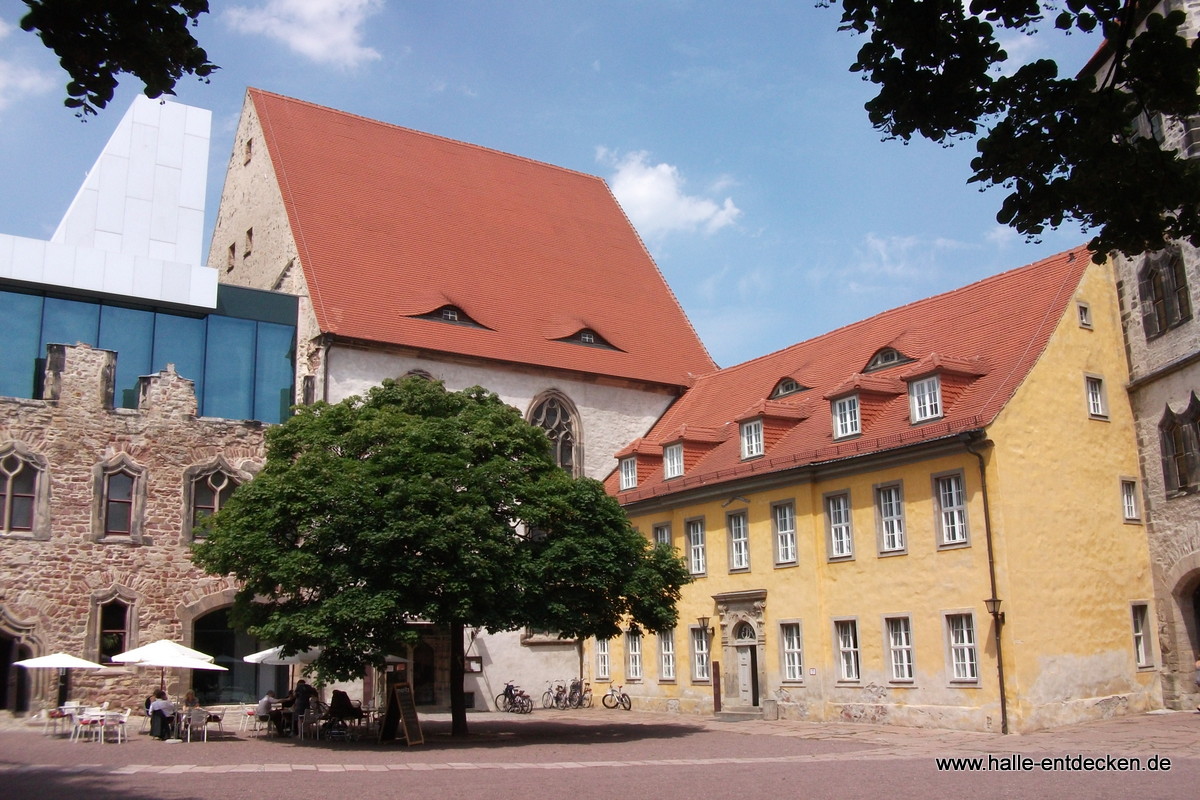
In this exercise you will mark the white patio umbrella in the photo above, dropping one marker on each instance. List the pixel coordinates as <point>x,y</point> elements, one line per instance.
<point>161,649</point>
<point>273,657</point>
<point>58,661</point>
<point>165,655</point>
<point>63,662</point>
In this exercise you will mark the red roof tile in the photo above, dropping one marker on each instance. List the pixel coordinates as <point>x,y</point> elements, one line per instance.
<point>392,223</point>
<point>988,334</point>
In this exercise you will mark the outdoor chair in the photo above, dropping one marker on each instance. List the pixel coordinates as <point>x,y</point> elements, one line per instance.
<point>195,722</point>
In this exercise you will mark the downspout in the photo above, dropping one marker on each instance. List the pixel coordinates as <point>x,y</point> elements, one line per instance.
<point>970,440</point>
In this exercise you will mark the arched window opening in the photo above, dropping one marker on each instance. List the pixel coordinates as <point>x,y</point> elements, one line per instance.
<point>554,415</point>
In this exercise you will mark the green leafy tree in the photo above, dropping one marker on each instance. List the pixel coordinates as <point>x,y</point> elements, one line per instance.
<point>415,504</point>
<point>1079,148</point>
<point>97,40</point>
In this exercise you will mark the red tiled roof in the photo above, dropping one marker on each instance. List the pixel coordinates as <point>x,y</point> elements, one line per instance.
<point>987,335</point>
<point>392,223</point>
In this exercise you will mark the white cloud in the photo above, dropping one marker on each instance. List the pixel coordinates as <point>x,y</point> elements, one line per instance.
<point>326,31</point>
<point>18,81</point>
<point>653,197</point>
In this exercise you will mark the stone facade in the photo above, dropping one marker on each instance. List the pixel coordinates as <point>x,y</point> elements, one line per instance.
<point>1164,362</point>
<point>55,578</point>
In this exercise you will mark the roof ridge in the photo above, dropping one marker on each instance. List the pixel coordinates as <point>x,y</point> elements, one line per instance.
<point>425,134</point>
<point>1069,254</point>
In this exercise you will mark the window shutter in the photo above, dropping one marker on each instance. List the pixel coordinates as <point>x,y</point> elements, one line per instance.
<point>1166,445</point>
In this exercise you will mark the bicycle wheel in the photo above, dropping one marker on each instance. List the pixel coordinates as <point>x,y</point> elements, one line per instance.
<point>609,700</point>
<point>626,703</point>
<point>525,705</point>
<point>502,702</point>
<point>586,702</point>
<point>548,699</point>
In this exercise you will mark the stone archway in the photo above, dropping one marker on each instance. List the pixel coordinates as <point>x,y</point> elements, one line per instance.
<point>1179,631</point>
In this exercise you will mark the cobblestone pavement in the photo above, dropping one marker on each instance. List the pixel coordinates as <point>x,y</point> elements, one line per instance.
<point>596,738</point>
<point>598,755</point>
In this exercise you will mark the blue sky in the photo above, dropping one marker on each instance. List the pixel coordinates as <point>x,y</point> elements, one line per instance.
<point>733,135</point>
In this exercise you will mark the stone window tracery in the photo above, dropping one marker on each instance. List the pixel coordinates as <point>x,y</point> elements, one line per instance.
<point>554,414</point>
<point>23,494</point>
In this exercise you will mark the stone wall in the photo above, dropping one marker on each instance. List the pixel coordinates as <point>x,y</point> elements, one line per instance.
<point>52,580</point>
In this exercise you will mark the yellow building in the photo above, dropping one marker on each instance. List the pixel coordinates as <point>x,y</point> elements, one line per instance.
<point>931,518</point>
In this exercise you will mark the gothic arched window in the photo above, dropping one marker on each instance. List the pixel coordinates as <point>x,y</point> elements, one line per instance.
<point>554,414</point>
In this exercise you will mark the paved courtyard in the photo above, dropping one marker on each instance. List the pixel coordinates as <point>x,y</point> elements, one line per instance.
<point>605,754</point>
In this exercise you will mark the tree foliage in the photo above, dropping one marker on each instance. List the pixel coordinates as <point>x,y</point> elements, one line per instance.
<point>97,40</point>
<point>418,504</point>
<point>1080,148</point>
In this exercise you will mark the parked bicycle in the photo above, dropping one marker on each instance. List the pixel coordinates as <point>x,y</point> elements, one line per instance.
<point>615,696</point>
<point>555,695</point>
<point>580,695</point>
<point>514,699</point>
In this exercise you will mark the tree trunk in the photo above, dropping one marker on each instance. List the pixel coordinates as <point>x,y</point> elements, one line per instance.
<point>458,672</point>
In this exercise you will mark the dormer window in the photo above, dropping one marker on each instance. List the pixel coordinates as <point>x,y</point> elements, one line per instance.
<point>452,314</point>
<point>785,387</point>
<point>925,399</point>
<point>628,473</point>
<point>887,357</point>
<point>589,337</point>
<point>845,417</point>
<point>673,460</point>
<point>752,438</point>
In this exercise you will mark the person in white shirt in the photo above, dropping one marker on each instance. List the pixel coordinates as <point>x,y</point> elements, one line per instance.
<point>267,712</point>
<point>162,715</point>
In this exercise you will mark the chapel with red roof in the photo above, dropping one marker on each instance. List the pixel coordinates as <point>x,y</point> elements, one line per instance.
<point>411,253</point>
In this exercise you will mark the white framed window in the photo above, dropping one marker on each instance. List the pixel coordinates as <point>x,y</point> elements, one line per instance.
<point>587,337</point>
<point>673,460</point>
<point>633,656</point>
<point>1097,403</point>
<point>739,541</point>
<point>1129,500</point>
<point>792,645</point>
<point>845,417</point>
<point>784,515</point>
<point>846,635</point>
<point>1085,315</point>
<point>925,399</point>
<point>951,503</point>
<point>752,438</point>
<point>629,472</point>
<point>662,533</point>
<point>899,647</point>
<point>889,510</point>
<point>603,669</point>
<point>838,525</point>
<point>666,655</point>
<point>697,557</point>
<point>964,657</point>
<point>1141,635</point>
<point>700,670</point>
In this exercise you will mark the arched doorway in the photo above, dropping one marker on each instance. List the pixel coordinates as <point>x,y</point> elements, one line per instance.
<point>14,680</point>
<point>745,643</point>
<point>242,682</point>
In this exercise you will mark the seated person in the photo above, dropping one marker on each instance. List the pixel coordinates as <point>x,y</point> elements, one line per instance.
<point>268,713</point>
<point>190,701</point>
<point>162,716</point>
<point>340,707</point>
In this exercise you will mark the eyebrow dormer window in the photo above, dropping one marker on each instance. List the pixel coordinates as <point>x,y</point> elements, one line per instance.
<point>589,337</point>
<point>785,387</point>
<point>451,314</point>
<point>887,357</point>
